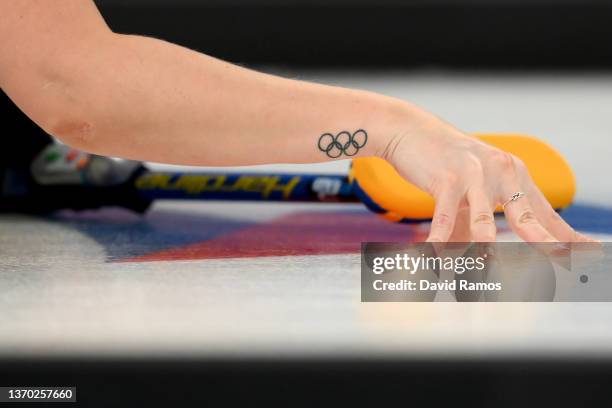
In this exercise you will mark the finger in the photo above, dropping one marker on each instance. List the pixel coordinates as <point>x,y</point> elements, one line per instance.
<point>445,214</point>
<point>523,221</point>
<point>552,221</point>
<point>461,232</point>
<point>482,221</point>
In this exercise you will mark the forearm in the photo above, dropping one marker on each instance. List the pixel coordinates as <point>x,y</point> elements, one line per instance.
<point>146,99</point>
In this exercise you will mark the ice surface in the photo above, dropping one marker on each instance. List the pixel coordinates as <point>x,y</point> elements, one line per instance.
<point>69,284</point>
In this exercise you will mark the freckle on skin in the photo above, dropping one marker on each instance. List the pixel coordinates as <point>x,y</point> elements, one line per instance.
<point>81,131</point>
<point>85,130</point>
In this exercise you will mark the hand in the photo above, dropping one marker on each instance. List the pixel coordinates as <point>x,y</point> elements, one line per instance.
<point>468,180</point>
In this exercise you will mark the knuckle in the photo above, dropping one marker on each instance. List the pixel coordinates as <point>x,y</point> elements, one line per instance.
<point>527,217</point>
<point>443,220</point>
<point>484,219</point>
<point>451,178</point>
<point>483,227</point>
<point>519,164</point>
<point>504,160</point>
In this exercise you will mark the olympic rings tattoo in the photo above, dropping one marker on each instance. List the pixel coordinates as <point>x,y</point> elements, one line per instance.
<point>342,143</point>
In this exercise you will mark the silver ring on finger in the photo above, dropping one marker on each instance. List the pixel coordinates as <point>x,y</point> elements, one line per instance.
<point>513,197</point>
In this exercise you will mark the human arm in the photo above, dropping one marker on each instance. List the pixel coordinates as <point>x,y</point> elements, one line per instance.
<point>147,99</point>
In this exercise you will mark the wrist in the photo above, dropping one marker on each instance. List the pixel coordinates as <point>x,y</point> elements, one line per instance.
<point>399,120</point>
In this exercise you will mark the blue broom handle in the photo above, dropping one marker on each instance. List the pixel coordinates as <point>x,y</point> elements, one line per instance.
<point>245,186</point>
